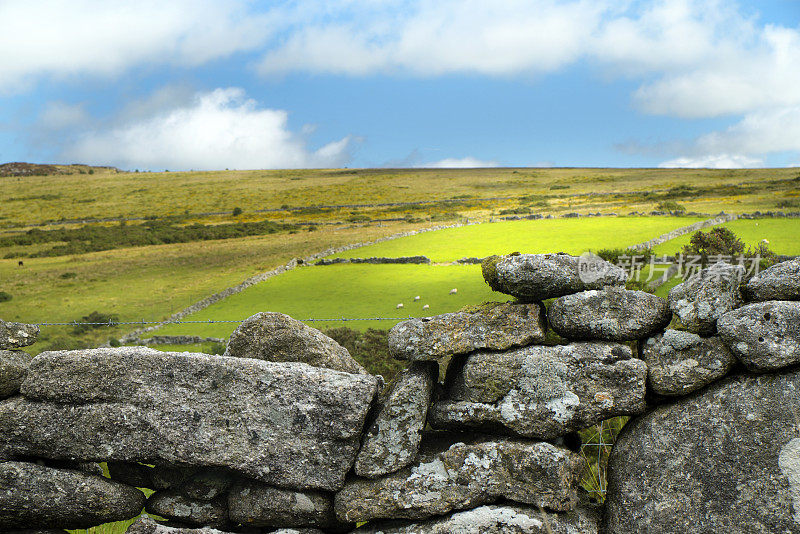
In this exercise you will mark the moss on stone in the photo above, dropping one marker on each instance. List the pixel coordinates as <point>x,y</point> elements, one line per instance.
<point>496,387</point>
<point>480,308</point>
<point>676,324</point>
<point>489,270</point>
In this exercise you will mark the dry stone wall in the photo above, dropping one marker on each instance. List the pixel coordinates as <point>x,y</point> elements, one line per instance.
<point>285,433</point>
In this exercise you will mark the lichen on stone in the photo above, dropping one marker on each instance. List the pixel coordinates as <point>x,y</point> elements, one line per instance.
<point>489,271</point>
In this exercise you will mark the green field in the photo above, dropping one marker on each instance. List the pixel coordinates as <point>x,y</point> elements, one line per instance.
<point>360,291</point>
<point>350,291</point>
<point>783,235</point>
<point>572,236</point>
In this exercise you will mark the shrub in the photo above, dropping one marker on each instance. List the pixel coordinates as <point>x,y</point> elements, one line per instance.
<point>104,320</point>
<point>718,241</point>
<point>768,258</point>
<point>67,275</point>
<point>682,191</point>
<point>721,241</point>
<point>114,342</point>
<point>670,205</point>
<point>5,297</point>
<point>516,211</point>
<point>613,255</point>
<point>237,212</point>
<point>92,238</point>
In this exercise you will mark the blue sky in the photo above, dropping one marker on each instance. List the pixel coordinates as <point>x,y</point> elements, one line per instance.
<point>207,84</point>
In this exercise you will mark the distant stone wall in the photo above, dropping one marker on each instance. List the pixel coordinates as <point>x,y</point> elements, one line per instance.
<point>419,260</point>
<point>721,219</point>
<point>286,431</point>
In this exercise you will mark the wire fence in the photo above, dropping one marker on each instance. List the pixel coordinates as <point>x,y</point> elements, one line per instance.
<point>214,321</point>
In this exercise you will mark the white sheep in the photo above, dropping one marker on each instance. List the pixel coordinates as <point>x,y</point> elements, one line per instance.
<point>425,307</point>
<point>453,291</point>
<point>416,298</point>
<point>765,241</point>
<point>399,305</point>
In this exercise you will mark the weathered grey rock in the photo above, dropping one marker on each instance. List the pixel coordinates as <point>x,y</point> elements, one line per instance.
<point>495,519</point>
<point>764,335</point>
<point>611,314</point>
<point>681,362</point>
<point>288,424</point>
<point>13,368</point>
<point>453,476</point>
<point>724,460</point>
<point>172,505</point>
<point>706,296</point>
<point>779,282</point>
<point>145,525</point>
<point>391,441</point>
<point>206,484</point>
<point>495,326</point>
<point>542,392</point>
<point>33,496</point>
<point>255,504</point>
<point>276,337</point>
<point>533,277</point>
<point>17,335</point>
<point>89,468</point>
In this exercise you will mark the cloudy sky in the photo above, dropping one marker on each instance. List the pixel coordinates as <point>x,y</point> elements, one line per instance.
<point>214,84</point>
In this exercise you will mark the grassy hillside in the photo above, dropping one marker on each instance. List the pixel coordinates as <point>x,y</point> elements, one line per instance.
<point>151,282</point>
<point>109,194</point>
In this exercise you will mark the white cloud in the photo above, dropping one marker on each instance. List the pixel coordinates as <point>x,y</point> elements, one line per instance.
<point>216,130</point>
<point>714,161</point>
<point>71,39</point>
<point>773,130</point>
<point>434,37</point>
<point>694,58</point>
<point>459,163</point>
<point>745,143</point>
<point>689,58</point>
<point>733,79</point>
